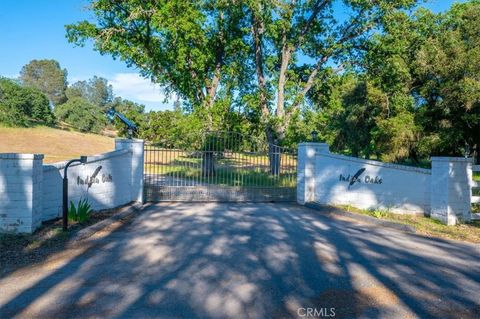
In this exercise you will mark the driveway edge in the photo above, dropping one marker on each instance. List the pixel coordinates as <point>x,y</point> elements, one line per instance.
<point>123,213</point>
<point>328,210</point>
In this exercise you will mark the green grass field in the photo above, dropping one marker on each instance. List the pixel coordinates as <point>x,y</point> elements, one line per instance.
<point>56,144</point>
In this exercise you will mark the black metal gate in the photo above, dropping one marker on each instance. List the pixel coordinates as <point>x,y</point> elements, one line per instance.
<point>219,166</point>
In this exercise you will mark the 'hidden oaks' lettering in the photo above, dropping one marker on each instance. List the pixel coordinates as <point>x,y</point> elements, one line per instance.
<point>359,178</point>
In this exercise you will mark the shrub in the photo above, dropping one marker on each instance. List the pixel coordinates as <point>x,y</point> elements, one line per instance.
<point>81,213</point>
<point>82,115</point>
<point>23,106</point>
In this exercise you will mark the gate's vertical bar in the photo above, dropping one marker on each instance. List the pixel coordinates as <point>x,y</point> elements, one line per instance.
<point>240,176</point>
<point>189,167</point>
<point>171,173</point>
<point>162,180</point>
<point>167,172</point>
<point>181,164</point>
<point>202,148</point>
<point>238,165</point>
<point>178,171</point>
<point>209,163</point>
<point>147,176</point>
<point>178,181</point>
<point>232,163</point>
<point>257,162</point>
<point>221,156</point>
<point>198,161</point>
<point>228,159</point>
<point>248,161</point>
<point>152,171</point>
<point>239,172</point>
<point>224,160</point>
<point>159,171</point>
<point>156,169</point>
<point>215,148</point>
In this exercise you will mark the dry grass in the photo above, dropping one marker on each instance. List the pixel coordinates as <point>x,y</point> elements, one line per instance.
<point>57,145</point>
<point>469,232</point>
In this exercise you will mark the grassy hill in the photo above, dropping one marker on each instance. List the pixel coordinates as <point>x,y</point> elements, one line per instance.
<point>56,144</point>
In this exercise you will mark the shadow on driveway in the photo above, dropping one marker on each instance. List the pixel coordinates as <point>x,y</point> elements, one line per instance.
<point>218,260</point>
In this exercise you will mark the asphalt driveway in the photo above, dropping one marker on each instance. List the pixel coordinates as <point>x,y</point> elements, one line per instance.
<point>218,260</point>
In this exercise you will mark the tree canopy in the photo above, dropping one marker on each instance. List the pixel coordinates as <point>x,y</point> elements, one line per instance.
<point>82,115</point>
<point>96,91</point>
<point>247,52</point>
<point>385,80</point>
<point>23,106</point>
<point>48,77</point>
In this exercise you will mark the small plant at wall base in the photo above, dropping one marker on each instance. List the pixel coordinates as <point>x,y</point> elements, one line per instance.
<point>81,213</point>
<point>379,213</point>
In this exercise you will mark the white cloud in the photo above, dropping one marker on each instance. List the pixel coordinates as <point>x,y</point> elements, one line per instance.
<point>133,86</point>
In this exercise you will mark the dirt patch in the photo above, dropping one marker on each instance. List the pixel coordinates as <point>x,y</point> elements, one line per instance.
<point>20,250</point>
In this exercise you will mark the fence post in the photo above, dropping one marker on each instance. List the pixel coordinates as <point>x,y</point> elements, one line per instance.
<point>21,182</point>
<point>451,189</point>
<point>136,147</point>
<point>306,170</point>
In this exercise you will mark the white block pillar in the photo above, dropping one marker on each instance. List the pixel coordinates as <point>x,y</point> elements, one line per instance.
<point>451,189</point>
<point>306,170</point>
<point>21,182</point>
<point>136,147</point>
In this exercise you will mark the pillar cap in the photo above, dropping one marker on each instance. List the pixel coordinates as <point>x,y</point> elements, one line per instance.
<point>451,159</point>
<point>21,156</point>
<point>313,144</point>
<point>128,140</point>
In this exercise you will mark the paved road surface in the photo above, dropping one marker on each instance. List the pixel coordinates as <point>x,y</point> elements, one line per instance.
<point>214,260</point>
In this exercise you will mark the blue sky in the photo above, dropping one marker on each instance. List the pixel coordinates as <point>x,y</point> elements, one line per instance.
<point>34,29</point>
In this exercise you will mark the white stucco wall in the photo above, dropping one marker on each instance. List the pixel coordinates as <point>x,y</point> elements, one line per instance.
<point>20,192</point>
<point>136,147</point>
<point>306,170</point>
<point>110,176</point>
<point>31,192</point>
<point>397,188</point>
<point>451,189</point>
<point>444,192</point>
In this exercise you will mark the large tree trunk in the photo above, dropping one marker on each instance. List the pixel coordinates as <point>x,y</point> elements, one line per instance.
<point>282,78</point>
<point>219,55</point>
<point>274,153</point>
<point>208,164</point>
<point>275,159</point>
<point>257,30</point>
